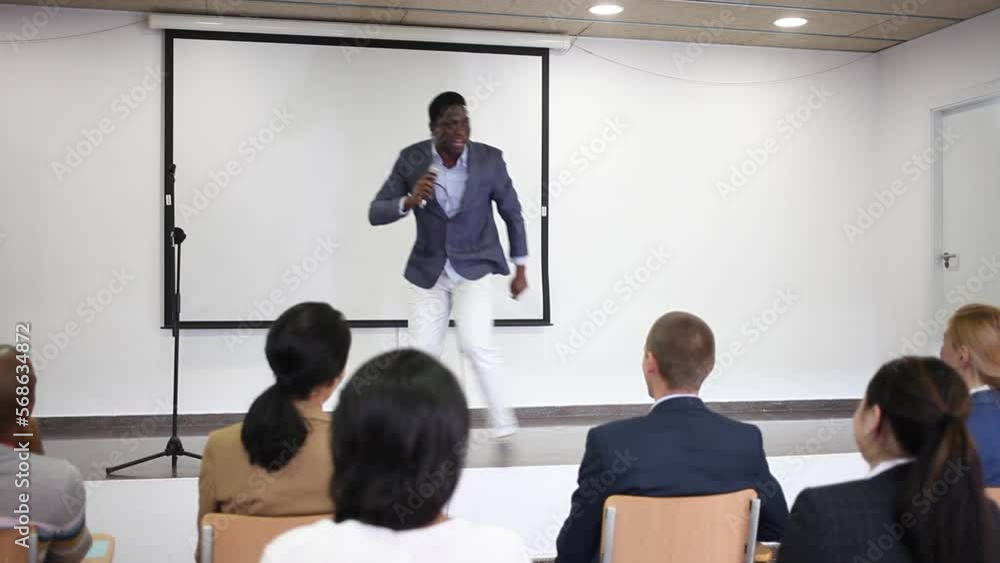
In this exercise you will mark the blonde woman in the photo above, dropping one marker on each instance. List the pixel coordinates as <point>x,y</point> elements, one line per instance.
<point>972,347</point>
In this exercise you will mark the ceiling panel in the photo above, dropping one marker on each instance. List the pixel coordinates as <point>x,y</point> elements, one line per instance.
<point>827,43</point>
<point>710,15</point>
<point>904,28</point>
<point>662,33</point>
<point>705,14</point>
<point>853,25</point>
<point>667,33</point>
<point>496,22</point>
<point>487,6</point>
<point>957,9</point>
<point>482,6</point>
<point>312,11</point>
<point>186,6</point>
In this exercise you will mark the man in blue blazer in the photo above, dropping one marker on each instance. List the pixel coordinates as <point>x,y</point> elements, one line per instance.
<point>450,184</point>
<point>680,448</point>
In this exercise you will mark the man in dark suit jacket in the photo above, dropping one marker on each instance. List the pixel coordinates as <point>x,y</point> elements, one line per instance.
<point>451,184</point>
<point>680,448</point>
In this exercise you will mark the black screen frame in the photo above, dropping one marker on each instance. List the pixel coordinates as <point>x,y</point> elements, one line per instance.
<point>168,138</point>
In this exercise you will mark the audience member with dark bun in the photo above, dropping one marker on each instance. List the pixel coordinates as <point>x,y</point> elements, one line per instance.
<point>972,348</point>
<point>277,461</point>
<point>924,500</point>
<point>401,431</point>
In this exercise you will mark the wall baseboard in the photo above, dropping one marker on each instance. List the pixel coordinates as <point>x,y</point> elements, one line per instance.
<point>144,426</point>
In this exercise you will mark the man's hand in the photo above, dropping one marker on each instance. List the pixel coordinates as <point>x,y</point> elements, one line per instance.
<point>519,283</point>
<point>423,190</point>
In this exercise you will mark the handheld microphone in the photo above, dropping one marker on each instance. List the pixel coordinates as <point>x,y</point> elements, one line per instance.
<point>432,169</point>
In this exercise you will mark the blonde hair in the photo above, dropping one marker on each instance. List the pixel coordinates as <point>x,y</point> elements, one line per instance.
<point>977,327</point>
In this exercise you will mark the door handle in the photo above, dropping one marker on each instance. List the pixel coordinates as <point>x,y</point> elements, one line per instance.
<point>948,257</point>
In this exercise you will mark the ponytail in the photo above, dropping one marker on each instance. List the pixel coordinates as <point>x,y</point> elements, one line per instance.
<point>945,495</point>
<point>273,430</point>
<point>943,502</point>
<point>306,348</point>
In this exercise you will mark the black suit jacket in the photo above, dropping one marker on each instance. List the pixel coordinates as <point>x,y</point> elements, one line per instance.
<point>680,448</point>
<point>855,521</point>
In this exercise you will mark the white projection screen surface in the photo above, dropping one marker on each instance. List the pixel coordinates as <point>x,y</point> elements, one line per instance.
<point>281,146</point>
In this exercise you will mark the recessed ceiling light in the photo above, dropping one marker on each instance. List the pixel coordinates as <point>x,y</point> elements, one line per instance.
<point>606,9</point>
<point>791,22</point>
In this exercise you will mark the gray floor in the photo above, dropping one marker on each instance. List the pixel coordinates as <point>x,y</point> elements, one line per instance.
<point>557,444</point>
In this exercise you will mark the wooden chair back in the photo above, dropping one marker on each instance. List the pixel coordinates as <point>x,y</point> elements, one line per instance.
<point>704,529</point>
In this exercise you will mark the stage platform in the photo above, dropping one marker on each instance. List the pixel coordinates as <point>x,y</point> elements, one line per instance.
<point>533,446</point>
<point>549,436</point>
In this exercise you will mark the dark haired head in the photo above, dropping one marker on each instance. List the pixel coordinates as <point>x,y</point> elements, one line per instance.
<point>399,440</point>
<point>307,349</point>
<point>450,128</point>
<point>917,407</point>
<point>441,103</point>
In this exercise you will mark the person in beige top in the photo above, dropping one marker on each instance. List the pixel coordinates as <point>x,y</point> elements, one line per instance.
<point>277,462</point>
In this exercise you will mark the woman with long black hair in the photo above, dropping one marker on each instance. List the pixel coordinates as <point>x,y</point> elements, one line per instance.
<point>924,501</point>
<point>277,461</point>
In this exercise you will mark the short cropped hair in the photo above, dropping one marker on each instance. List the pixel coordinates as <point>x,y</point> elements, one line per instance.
<point>399,439</point>
<point>442,102</point>
<point>15,375</point>
<point>684,349</point>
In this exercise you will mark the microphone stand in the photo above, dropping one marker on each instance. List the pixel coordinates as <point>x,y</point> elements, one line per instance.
<point>174,448</point>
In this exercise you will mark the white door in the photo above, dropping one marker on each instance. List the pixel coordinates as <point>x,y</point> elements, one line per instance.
<point>970,189</point>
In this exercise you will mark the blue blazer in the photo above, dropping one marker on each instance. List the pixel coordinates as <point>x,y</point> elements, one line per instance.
<point>681,448</point>
<point>469,239</point>
<point>984,424</point>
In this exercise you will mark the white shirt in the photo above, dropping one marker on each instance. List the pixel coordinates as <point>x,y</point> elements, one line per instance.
<point>452,541</point>
<point>450,186</point>
<point>884,466</point>
<point>677,396</point>
<point>979,389</point>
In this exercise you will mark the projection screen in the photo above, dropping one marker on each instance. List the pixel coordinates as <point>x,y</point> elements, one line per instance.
<point>280,144</point>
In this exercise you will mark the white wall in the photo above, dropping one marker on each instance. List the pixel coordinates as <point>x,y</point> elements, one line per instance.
<point>667,146</point>
<point>936,70</point>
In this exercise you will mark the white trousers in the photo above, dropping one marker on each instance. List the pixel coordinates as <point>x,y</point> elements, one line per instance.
<point>472,303</point>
